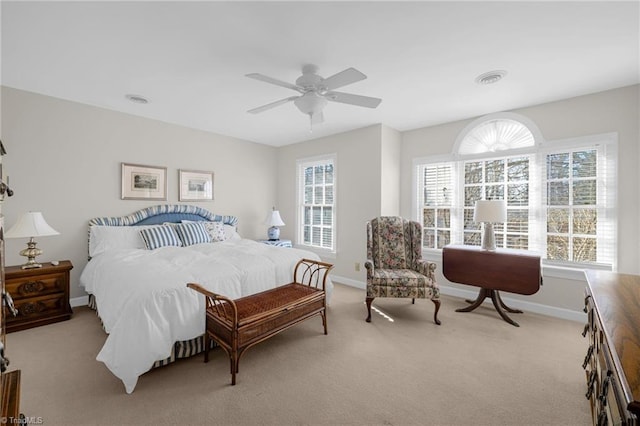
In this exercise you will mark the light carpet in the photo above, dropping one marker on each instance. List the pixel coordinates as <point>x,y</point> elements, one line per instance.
<point>474,369</point>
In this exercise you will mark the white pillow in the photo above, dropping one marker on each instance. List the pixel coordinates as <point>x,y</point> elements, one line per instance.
<point>231,233</point>
<point>104,238</point>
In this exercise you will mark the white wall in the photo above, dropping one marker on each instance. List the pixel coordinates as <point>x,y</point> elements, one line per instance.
<point>611,111</point>
<point>63,158</point>
<point>391,144</point>
<point>357,193</point>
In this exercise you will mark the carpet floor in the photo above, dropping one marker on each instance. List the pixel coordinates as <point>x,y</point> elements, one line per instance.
<point>400,369</point>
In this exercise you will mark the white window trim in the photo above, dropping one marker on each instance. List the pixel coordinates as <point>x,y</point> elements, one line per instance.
<point>322,252</point>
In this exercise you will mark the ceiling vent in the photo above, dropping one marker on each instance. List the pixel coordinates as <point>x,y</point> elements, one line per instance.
<point>491,77</point>
<point>137,99</point>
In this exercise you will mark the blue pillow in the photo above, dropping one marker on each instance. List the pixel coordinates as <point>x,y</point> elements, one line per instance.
<point>160,236</point>
<point>192,233</point>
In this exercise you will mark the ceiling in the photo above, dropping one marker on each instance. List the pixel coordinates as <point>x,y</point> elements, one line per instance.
<point>189,59</point>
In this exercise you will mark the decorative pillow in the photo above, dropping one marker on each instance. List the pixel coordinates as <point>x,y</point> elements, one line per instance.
<point>192,233</point>
<point>160,236</point>
<point>104,238</point>
<point>216,230</point>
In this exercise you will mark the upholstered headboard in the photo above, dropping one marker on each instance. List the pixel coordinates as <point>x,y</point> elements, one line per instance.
<point>163,213</point>
<point>174,213</point>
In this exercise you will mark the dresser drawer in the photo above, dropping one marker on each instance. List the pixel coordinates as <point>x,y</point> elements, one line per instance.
<point>36,286</point>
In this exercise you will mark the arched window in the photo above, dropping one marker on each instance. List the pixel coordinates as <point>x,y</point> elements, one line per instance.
<point>497,132</point>
<point>559,194</point>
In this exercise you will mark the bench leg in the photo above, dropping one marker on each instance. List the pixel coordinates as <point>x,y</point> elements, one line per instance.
<point>323,314</point>
<point>234,370</point>
<point>234,357</point>
<point>207,344</point>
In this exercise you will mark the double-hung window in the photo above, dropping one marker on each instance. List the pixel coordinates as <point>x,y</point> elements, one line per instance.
<point>560,195</point>
<point>316,202</point>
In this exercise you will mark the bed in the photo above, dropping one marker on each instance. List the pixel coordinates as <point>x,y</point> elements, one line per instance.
<point>137,274</point>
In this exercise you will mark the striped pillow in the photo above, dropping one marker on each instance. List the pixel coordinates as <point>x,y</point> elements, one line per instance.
<point>160,236</point>
<point>192,233</point>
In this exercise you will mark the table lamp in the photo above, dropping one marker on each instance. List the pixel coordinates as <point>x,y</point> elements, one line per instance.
<point>489,212</point>
<point>273,220</point>
<point>31,225</point>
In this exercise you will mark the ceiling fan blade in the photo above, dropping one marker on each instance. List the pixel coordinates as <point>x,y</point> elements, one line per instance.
<point>348,76</point>
<point>348,98</point>
<point>275,81</point>
<point>272,105</point>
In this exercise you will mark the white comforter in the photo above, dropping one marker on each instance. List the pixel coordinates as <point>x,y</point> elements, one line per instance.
<point>145,305</point>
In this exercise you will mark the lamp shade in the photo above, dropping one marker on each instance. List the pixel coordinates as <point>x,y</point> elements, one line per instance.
<point>490,211</point>
<point>274,219</point>
<point>31,224</point>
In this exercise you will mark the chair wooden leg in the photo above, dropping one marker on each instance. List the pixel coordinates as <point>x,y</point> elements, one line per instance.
<point>413,301</point>
<point>369,300</point>
<point>435,315</point>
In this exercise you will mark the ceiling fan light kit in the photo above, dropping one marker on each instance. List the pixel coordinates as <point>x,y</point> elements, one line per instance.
<point>316,92</point>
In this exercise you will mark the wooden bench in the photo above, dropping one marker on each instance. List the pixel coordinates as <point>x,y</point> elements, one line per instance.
<point>237,325</point>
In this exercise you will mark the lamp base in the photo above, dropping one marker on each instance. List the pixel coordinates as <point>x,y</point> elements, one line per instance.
<point>30,253</point>
<point>273,233</point>
<point>488,237</point>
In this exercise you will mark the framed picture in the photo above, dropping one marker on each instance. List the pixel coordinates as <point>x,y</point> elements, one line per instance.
<point>143,182</point>
<point>196,185</point>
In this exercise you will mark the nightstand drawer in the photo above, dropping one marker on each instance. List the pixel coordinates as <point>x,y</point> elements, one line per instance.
<point>36,286</point>
<point>44,306</point>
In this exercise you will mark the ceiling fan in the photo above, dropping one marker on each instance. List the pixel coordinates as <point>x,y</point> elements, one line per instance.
<point>316,91</point>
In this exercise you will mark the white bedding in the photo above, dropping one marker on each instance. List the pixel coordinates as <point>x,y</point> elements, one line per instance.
<point>145,305</point>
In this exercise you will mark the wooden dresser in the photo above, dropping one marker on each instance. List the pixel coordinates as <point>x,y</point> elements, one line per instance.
<point>41,295</point>
<point>612,362</point>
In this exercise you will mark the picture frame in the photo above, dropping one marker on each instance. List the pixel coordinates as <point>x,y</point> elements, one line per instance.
<point>140,182</point>
<point>195,185</point>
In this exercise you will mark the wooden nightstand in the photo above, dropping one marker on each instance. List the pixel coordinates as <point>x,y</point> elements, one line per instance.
<point>41,295</point>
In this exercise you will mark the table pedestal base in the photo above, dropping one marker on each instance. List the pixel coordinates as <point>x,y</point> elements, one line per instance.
<point>497,303</point>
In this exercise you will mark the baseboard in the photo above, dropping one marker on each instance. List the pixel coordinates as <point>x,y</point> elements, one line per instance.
<point>348,281</point>
<point>537,308</point>
<point>79,301</point>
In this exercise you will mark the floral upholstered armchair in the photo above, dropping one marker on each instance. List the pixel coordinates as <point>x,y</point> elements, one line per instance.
<point>395,267</point>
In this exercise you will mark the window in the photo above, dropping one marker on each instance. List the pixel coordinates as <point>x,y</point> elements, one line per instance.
<point>560,195</point>
<point>576,186</point>
<point>498,179</point>
<point>316,194</point>
<point>436,201</point>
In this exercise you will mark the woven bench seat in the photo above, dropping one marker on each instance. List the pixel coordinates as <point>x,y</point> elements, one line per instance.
<point>236,325</point>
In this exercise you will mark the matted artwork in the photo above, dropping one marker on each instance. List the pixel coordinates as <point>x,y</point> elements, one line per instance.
<point>143,182</point>
<point>196,185</point>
